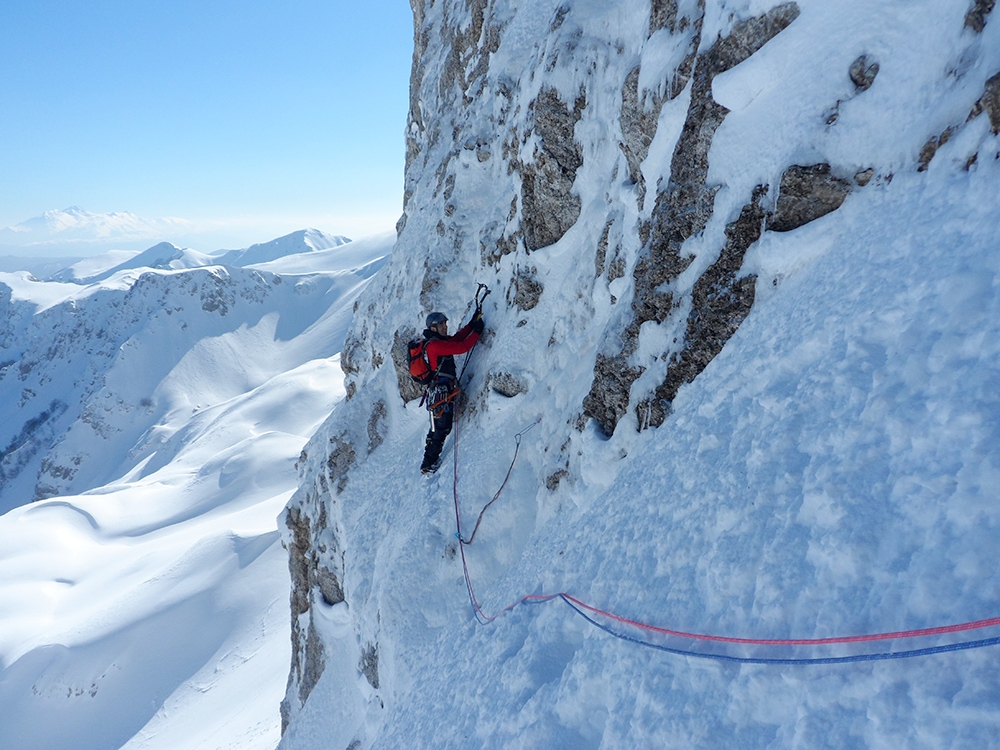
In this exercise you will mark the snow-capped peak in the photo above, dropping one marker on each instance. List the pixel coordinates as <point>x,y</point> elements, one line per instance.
<point>302,241</point>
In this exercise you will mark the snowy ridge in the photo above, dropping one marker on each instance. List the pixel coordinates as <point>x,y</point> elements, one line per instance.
<point>166,255</point>
<point>817,355</point>
<point>144,603</point>
<point>303,241</point>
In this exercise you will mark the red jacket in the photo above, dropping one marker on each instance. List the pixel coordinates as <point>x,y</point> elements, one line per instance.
<point>437,348</point>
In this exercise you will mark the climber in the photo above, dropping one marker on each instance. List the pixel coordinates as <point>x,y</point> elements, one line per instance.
<point>439,349</point>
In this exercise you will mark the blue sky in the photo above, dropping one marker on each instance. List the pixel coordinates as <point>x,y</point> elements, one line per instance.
<point>250,118</point>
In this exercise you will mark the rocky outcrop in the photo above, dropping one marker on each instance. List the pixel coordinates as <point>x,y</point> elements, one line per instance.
<point>720,301</point>
<point>526,289</point>
<point>931,147</point>
<point>683,207</point>
<point>608,399</point>
<point>990,104</point>
<point>309,576</point>
<point>863,72</point>
<point>548,205</point>
<point>806,194</point>
<point>975,19</point>
<point>507,384</point>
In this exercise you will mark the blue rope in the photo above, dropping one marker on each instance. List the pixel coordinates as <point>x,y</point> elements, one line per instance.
<point>755,660</point>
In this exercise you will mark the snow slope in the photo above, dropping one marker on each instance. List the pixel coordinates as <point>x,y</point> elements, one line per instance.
<point>90,268</point>
<point>163,255</point>
<point>303,241</point>
<point>146,349</point>
<point>144,604</point>
<point>832,471</point>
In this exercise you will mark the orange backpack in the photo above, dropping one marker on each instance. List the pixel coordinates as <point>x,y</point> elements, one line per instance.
<point>420,364</point>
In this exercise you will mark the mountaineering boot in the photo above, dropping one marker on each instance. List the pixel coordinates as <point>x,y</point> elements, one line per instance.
<point>432,451</point>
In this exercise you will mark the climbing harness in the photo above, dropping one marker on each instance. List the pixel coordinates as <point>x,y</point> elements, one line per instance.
<point>437,397</point>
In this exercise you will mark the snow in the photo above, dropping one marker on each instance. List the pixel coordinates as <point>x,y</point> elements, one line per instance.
<point>336,257</point>
<point>89,268</point>
<point>150,609</point>
<point>303,241</point>
<point>833,472</point>
<point>165,255</point>
<point>24,287</point>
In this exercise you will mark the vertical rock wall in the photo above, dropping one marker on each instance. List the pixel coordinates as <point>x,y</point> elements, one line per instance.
<point>566,154</point>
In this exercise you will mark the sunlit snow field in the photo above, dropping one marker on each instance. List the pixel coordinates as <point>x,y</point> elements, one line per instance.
<point>152,611</point>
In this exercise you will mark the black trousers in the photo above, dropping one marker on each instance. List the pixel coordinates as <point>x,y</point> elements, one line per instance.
<point>436,436</point>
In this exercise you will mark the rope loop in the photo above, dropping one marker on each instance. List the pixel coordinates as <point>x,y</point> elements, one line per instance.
<point>517,448</point>
<point>599,617</point>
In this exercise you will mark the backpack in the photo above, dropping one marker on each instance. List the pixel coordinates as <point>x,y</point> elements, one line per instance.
<point>420,364</point>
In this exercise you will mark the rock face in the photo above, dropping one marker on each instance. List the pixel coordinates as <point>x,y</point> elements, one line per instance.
<point>863,72</point>
<point>975,19</point>
<point>587,162</point>
<point>549,206</point>
<point>683,207</point>
<point>990,104</point>
<point>806,194</point>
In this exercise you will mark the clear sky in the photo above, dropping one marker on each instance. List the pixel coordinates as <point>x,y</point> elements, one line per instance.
<point>248,118</point>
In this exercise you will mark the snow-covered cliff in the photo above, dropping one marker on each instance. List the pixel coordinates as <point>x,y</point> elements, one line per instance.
<point>743,257</point>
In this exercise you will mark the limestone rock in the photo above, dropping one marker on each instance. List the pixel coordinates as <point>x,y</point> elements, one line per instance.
<point>527,289</point>
<point>806,194</point>
<point>368,664</point>
<point>608,399</point>
<point>548,206</point>
<point>684,205</point>
<point>863,72</point>
<point>342,457</point>
<point>308,661</point>
<point>990,104</point>
<point>975,19</point>
<point>720,301</point>
<point>507,384</point>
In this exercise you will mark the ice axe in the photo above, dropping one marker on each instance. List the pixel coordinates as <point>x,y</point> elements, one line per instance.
<point>481,294</point>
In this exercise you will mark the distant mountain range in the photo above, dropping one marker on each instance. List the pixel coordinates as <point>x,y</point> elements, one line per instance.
<point>46,244</point>
<point>163,255</point>
<point>165,397</point>
<point>75,225</point>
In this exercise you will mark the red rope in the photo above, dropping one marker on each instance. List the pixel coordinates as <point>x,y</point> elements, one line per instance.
<point>919,633</point>
<point>536,598</point>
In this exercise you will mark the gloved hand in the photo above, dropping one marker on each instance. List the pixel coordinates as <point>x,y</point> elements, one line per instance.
<point>478,315</point>
<point>477,324</point>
